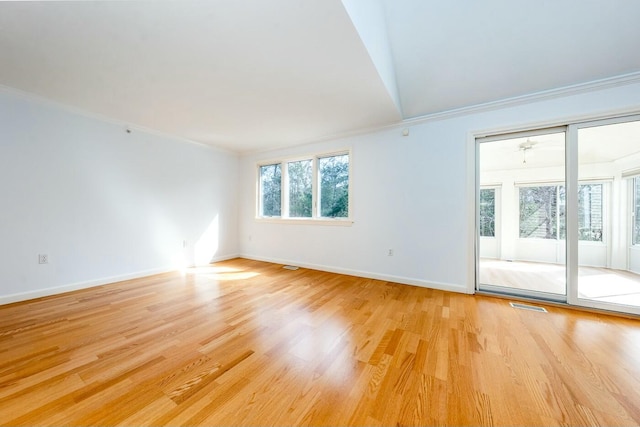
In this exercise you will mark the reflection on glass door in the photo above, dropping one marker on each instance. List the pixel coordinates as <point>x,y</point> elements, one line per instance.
<point>522,215</point>
<point>609,215</point>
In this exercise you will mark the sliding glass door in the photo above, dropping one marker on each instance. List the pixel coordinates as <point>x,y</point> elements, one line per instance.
<point>608,223</point>
<point>558,214</point>
<point>522,197</point>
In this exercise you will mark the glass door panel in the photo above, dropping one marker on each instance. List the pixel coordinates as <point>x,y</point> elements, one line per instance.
<point>522,221</point>
<point>608,216</point>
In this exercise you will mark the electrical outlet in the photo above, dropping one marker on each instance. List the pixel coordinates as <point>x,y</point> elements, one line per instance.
<point>43,259</point>
<point>390,252</point>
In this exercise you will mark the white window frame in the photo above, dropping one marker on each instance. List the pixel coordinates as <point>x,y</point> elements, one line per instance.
<point>315,219</point>
<point>632,217</point>
<point>605,182</point>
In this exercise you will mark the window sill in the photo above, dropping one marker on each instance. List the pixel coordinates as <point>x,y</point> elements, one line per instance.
<point>341,222</point>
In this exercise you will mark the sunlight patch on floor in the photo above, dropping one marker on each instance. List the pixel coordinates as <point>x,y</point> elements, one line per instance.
<point>221,273</point>
<point>609,287</point>
<point>596,284</point>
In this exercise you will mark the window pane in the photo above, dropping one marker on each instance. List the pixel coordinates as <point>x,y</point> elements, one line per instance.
<point>270,190</point>
<point>538,210</point>
<point>300,177</point>
<point>334,186</point>
<point>590,212</point>
<point>636,210</point>
<point>487,212</point>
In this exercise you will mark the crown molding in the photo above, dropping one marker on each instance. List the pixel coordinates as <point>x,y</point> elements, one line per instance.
<point>592,86</point>
<point>601,84</point>
<point>49,103</point>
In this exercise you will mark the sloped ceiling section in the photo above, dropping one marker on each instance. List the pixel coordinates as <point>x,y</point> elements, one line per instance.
<point>244,75</point>
<point>369,18</point>
<point>454,54</point>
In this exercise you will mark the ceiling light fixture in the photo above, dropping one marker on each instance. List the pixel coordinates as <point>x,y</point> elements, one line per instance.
<point>524,147</point>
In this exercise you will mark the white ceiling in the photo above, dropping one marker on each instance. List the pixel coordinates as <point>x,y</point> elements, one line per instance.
<point>253,74</point>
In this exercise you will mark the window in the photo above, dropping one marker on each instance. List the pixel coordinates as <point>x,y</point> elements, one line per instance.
<point>590,212</point>
<point>334,186</point>
<point>315,187</point>
<point>300,177</point>
<point>538,212</point>
<point>270,190</point>
<point>542,212</point>
<point>487,212</point>
<point>636,211</point>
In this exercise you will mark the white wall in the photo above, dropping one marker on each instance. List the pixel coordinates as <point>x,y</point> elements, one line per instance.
<point>103,204</point>
<point>414,194</point>
<point>396,204</point>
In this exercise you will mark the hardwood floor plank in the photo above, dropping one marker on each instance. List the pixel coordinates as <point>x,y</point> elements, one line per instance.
<point>193,385</point>
<point>219,397</point>
<point>248,343</point>
<point>23,402</point>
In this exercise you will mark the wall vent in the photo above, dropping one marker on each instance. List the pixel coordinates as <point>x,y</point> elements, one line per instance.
<point>528,307</point>
<point>291,267</point>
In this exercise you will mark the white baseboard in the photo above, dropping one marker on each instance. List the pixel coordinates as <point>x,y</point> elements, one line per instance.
<point>45,292</point>
<point>226,257</point>
<point>366,274</point>
<point>39,293</point>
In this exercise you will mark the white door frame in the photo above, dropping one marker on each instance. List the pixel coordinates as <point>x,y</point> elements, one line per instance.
<point>572,186</point>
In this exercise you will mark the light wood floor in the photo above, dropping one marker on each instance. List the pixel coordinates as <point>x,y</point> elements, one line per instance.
<point>249,343</point>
